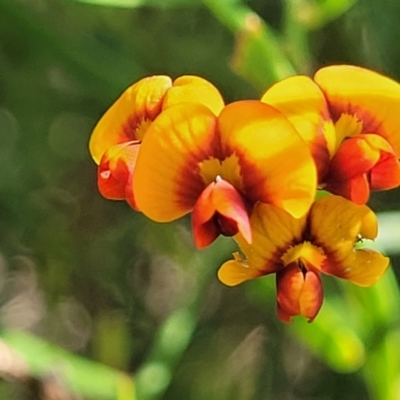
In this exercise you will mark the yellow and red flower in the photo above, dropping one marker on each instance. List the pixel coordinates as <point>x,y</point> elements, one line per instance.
<point>299,250</point>
<point>220,166</point>
<point>349,117</point>
<point>116,139</point>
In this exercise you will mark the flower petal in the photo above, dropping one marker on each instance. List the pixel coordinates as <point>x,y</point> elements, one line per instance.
<point>220,209</point>
<point>298,293</point>
<point>356,188</point>
<point>234,272</point>
<point>309,255</point>
<point>373,98</point>
<point>360,157</point>
<point>336,225</point>
<point>194,89</point>
<point>363,267</point>
<point>356,156</point>
<point>274,231</point>
<point>301,101</point>
<point>122,122</point>
<point>276,165</point>
<point>129,195</point>
<point>312,295</point>
<point>386,172</point>
<point>115,169</point>
<point>167,181</point>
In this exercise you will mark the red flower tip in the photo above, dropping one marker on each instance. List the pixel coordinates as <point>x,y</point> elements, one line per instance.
<point>299,292</point>
<point>362,163</point>
<point>114,174</point>
<point>220,210</point>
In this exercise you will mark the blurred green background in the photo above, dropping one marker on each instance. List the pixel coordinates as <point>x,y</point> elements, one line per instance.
<point>96,302</point>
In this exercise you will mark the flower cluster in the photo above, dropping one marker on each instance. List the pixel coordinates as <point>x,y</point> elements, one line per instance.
<point>251,169</point>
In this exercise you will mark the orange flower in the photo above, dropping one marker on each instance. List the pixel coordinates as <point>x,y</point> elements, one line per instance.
<point>116,139</point>
<point>220,166</point>
<point>299,250</point>
<point>349,117</point>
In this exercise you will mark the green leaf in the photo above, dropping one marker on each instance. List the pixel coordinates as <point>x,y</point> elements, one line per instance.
<point>86,378</point>
<point>141,3</point>
<point>331,338</point>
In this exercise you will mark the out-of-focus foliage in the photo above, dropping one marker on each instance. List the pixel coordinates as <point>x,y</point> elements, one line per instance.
<point>124,305</point>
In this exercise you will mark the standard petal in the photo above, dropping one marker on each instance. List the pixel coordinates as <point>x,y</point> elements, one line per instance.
<point>167,181</point>
<point>129,116</point>
<point>274,231</point>
<point>336,224</point>
<point>194,89</point>
<point>220,209</point>
<point>275,163</point>
<point>301,101</point>
<point>373,98</point>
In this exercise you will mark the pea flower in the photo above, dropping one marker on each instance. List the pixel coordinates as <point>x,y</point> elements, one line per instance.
<point>115,141</point>
<point>300,250</point>
<point>218,167</point>
<point>349,117</point>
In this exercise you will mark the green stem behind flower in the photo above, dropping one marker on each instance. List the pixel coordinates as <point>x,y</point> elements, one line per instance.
<point>258,55</point>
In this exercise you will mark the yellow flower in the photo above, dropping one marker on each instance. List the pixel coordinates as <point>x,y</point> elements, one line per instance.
<point>116,139</point>
<point>299,250</point>
<point>349,117</point>
<point>218,167</point>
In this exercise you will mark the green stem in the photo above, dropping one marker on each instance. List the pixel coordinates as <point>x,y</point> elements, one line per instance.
<point>175,334</point>
<point>258,54</point>
<point>297,38</point>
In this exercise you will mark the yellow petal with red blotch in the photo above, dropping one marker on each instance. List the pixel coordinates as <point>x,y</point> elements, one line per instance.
<point>336,224</point>
<point>298,293</point>
<point>128,118</point>
<point>194,89</point>
<point>373,98</point>
<point>167,180</point>
<point>115,170</point>
<point>234,272</point>
<point>363,267</point>
<point>220,209</point>
<point>274,231</point>
<point>275,163</point>
<point>301,101</point>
